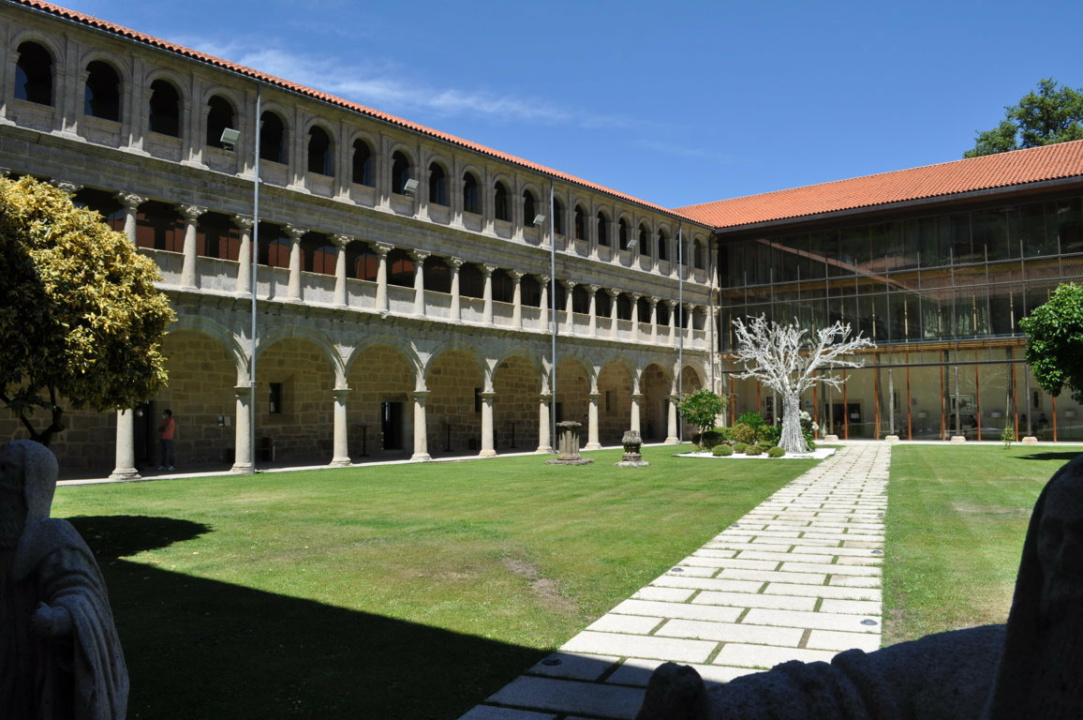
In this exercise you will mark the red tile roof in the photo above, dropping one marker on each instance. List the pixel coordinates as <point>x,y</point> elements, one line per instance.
<point>1021,167</point>
<point>325,97</point>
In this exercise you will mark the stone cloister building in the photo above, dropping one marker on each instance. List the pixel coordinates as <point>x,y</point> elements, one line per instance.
<point>407,285</point>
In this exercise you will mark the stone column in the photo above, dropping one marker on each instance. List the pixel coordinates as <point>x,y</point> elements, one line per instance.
<point>421,431</point>
<point>487,424</point>
<point>517,299</point>
<point>592,423</point>
<point>671,422</point>
<point>419,281</point>
<point>125,447</point>
<point>242,454</point>
<point>341,452</point>
<point>543,316</point>
<point>131,202</point>
<point>190,213</point>
<point>569,289</point>
<point>635,317</point>
<point>487,315</point>
<point>455,264</point>
<point>690,321</point>
<point>293,290</point>
<point>654,319</point>
<point>341,243</point>
<point>244,255</point>
<point>593,311</point>
<point>637,400</point>
<point>614,296</point>
<point>674,321</point>
<point>545,441</point>
<point>382,249</point>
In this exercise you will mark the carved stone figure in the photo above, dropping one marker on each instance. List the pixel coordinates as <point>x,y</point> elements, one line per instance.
<point>1026,670</point>
<point>60,658</point>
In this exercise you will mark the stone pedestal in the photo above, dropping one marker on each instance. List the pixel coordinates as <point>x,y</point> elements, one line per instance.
<point>632,457</point>
<point>831,438</point>
<point>1029,440</point>
<point>958,439</point>
<point>891,438</point>
<point>568,444</point>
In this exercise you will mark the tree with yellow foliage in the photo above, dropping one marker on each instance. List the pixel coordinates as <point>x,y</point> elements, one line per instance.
<point>81,322</point>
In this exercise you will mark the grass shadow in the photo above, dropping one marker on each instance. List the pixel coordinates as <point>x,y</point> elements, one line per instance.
<point>1059,456</point>
<point>202,648</point>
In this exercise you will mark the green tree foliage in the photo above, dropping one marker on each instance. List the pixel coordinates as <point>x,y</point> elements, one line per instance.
<point>1055,341</point>
<point>80,318</point>
<point>701,408</point>
<point>1050,115</point>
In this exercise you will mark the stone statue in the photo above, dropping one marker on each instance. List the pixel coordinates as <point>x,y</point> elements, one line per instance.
<point>60,658</point>
<point>1026,670</point>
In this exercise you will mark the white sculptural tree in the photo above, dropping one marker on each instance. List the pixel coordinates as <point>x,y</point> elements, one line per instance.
<point>786,359</point>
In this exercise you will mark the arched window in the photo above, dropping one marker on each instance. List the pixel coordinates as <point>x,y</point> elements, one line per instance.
<point>697,254</point>
<point>663,245</point>
<point>272,138</point>
<point>437,184</point>
<point>362,163</point>
<point>101,96</point>
<point>400,172</point>
<point>580,223</point>
<point>603,230</point>
<point>274,246</point>
<point>500,202</point>
<point>437,274</point>
<point>503,286</point>
<point>400,268</point>
<point>165,108</point>
<point>622,234</point>
<point>530,208</point>
<point>580,299</point>
<point>558,216</point>
<point>219,117</point>
<point>644,240</point>
<point>471,199</point>
<point>318,253</point>
<point>34,74</point>
<point>319,151</point>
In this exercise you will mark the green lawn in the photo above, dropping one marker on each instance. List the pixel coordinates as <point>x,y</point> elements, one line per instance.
<point>956,520</point>
<point>407,592</point>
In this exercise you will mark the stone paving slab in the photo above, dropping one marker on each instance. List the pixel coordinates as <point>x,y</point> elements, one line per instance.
<point>797,578</point>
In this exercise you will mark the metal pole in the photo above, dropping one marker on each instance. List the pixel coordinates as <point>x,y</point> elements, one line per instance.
<point>680,325</point>
<point>255,286</point>
<point>552,316</point>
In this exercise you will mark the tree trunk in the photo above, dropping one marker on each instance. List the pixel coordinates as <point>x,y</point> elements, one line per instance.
<point>792,440</point>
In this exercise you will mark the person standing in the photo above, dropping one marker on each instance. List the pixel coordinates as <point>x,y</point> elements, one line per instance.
<point>166,429</point>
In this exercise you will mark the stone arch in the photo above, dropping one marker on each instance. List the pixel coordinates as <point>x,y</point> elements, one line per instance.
<point>456,377</point>
<point>382,375</point>
<point>575,380</point>
<point>615,385</point>
<point>318,339</point>
<point>237,346</point>
<point>655,385</point>
<point>516,386</point>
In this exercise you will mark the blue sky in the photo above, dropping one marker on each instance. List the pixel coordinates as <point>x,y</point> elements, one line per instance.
<point>675,103</point>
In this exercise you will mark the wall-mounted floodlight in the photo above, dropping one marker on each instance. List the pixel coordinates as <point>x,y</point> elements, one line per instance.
<point>539,220</point>
<point>410,187</point>
<point>229,138</point>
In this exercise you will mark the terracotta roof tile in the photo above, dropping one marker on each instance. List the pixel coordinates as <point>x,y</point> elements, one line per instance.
<point>325,97</point>
<point>1021,167</point>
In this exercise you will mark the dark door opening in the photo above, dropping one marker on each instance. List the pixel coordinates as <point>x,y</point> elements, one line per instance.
<point>391,425</point>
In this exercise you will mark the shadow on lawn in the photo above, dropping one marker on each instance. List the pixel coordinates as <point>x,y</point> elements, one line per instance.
<point>207,649</point>
<point>1060,456</point>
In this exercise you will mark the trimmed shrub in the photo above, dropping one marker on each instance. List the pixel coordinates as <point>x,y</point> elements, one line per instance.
<point>754,450</point>
<point>775,452</point>
<point>722,451</point>
<point>764,446</point>
<point>751,418</point>
<point>740,447</point>
<point>745,433</point>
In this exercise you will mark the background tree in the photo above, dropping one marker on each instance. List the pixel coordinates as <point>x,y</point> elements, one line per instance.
<point>1055,341</point>
<point>702,409</point>
<point>783,359</point>
<point>80,318</point>
<point>1050,115</point>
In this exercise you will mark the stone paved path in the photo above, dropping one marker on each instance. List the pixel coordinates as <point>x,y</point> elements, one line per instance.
<point>797,578</point>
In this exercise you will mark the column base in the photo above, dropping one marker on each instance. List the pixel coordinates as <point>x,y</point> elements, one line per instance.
<point>544,449</point>
<point>592,446</point>
<point>242,469</point>
<point>125,474</point>
<point>672,441</point>
<point>421,457</point>
<point>341,462</point>
<point>487,453</point>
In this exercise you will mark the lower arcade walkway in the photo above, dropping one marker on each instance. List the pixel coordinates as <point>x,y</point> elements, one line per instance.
<point>797,578</point>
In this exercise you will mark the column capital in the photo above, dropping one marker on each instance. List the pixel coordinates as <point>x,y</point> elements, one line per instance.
<point>545,397</point>
<point>341,394</point>
<point>294,232</point>
<point>341,240</point>
<point>419,255</point>
<point>455,262</point>
<point>131,201</point>
<point>489,269</point>
<point>652,300</point>
<point>613,293</point>
<point>517,275</point>
<point>569,284</point>
<point>66,186</point>
<point>543,279</point>
<point>594,288</point>
<point>420,395</point>
<point>191,213</point>
<point>242,391</point>
<point>244,222</point>
<point>382,249</point>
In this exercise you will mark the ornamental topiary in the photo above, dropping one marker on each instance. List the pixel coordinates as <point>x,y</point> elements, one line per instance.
<point>776,452</point>
<point>740,448</point>
<point>722,451</point>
